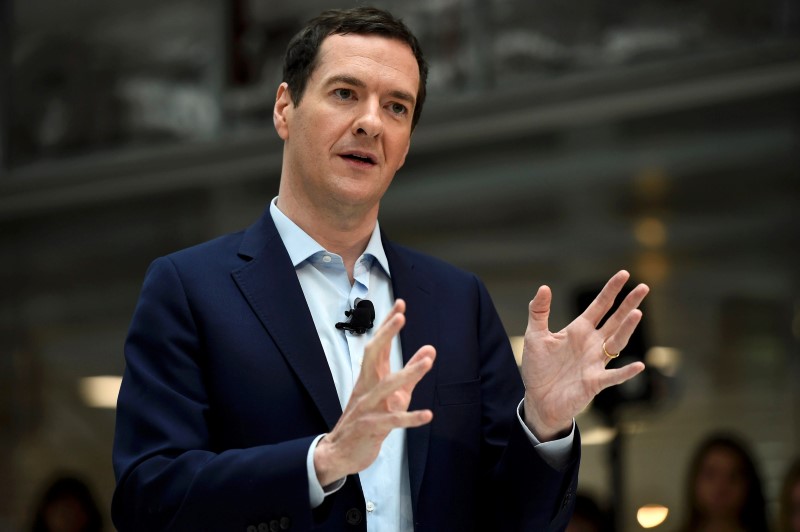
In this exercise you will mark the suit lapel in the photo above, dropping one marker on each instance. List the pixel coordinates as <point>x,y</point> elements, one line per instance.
<point>422,326</point>
<point>269,283</point>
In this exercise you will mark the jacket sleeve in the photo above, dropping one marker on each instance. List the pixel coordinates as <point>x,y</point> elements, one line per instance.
<point>169,474</point>
<point>523,492</point>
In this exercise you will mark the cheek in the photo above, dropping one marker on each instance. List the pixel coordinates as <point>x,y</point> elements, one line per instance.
<point>397,149</point>
<point>703,489</point>
<point>315,128</point>
<point>740,494</point>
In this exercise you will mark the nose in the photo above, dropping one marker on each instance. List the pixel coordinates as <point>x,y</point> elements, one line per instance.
<point>368,122</point>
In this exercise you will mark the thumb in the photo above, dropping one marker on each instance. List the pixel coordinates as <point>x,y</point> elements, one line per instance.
<point>539,310</point>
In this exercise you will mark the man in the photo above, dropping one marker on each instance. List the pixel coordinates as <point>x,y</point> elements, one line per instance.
<point>245,407</point>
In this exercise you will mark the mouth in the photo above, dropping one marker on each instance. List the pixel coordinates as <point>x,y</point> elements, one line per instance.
<point>360,158</point>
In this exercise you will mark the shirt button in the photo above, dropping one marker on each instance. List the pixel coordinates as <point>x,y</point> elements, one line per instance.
<point>326,258</point>
<point>370,506</point>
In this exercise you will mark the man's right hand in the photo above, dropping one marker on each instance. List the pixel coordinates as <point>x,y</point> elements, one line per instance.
<point>379,403</point>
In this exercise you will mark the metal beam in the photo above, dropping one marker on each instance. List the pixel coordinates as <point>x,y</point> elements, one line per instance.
<point>66,184</point>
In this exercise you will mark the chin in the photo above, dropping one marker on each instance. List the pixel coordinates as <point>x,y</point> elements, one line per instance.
<point>355,194</point>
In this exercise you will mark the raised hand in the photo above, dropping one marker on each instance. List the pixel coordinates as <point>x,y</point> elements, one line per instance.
<point>564,371</point>
<point>379,403</point>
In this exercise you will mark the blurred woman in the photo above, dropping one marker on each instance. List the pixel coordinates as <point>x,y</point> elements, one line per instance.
<point>67,506</point>
<point>724,489</point>
<point>790,500</point>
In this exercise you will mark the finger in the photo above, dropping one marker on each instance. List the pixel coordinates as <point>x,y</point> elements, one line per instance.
<point>631,301</point>
<point>402,420</point>
<point>405,379</point>
<point>408,377</point>
<point>605,299</point>
<point>415,418</point>
<point>617,341</point>
<point>426,351</point>
<point>614,377</point>
<point>381,364</point>
<point>375,364</point>
<point>399,307</point>
<point>539,310</point>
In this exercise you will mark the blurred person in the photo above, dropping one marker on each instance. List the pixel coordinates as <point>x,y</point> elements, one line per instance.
<point>250,403</point>
<point>789,516</point>
<point>67,506</point>
<point>587,516</point>
<point>724,491</point>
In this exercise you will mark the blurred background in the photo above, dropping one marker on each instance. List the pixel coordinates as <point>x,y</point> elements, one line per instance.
<point>562,140</point>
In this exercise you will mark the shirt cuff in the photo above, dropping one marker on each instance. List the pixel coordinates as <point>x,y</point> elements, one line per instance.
<point>555,453</point>
<point>316,493</point>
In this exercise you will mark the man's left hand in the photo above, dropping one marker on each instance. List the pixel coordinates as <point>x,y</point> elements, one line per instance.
<point>565,370</point>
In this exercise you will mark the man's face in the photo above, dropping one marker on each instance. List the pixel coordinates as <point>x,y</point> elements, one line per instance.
<point>351,131</point>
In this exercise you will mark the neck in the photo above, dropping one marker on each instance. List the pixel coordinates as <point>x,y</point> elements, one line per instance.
<point>343,231</point>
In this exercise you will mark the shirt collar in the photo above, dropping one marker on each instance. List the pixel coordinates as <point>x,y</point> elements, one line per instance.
<point>302,247</point>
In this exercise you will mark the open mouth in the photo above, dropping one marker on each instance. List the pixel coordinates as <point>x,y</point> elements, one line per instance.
<point>359,158</point>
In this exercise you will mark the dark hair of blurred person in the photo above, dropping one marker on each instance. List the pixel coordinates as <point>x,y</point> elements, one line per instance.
<point>67,506</point>
<point>724,488</point>
<point>588,516</point>
<point>789,516</point>
<point>302,51</point>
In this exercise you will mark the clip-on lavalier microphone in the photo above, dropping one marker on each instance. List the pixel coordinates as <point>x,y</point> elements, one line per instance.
<point>362,316</point>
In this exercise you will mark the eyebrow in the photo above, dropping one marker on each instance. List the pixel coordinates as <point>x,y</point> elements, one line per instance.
<point>355,82</point>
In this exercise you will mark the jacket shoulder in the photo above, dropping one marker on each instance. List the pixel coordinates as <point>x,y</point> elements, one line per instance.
<point>220,246</point>
<point>432,266</point>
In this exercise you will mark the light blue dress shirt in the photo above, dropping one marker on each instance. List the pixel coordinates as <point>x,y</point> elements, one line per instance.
<point>328,293</point>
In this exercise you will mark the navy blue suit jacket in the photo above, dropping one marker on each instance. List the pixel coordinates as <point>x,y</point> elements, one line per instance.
<point>226,385</point>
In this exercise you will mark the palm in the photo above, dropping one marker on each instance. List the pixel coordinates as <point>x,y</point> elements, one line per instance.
<point>564,371</point>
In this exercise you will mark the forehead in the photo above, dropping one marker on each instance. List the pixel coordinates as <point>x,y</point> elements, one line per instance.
<point>386,58</point>
<point>723,456</point>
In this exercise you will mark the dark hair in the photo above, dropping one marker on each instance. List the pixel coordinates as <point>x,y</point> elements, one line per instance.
<point>752,515</point>
<point>303,49</point>
<point>791,480</point>
<point>66,487</point>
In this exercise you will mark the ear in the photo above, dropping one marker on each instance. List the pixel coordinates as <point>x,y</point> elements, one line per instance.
<point>281,113</point>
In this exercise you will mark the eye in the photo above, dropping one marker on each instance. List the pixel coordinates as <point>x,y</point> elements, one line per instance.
<point>343,94</point>
<point>398,108</point>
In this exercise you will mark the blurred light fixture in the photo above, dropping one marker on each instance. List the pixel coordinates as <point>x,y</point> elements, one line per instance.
<point>650,232</point>
<point>100,391</point>
<point>652,266</point>
<point>651,183</point>
<point>652,515</point>
<point>665,359</point>
<point>598,435</point>
<point>517,343</point>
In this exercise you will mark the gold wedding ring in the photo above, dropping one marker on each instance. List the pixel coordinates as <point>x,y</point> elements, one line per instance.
<point>609,355</point>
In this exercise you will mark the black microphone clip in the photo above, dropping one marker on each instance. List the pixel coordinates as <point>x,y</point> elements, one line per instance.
<point>362,316</point>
